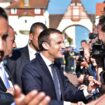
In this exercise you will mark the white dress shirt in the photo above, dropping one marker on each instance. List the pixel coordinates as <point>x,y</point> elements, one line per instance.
<point>2,70</point>
<point>48,63</point>
<point>32,53</point>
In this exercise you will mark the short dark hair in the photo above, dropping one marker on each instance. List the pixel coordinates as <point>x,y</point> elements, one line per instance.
<point>3,13</point>
<point>44,36</point>
<point>83,41</point>
<point>35,25</point>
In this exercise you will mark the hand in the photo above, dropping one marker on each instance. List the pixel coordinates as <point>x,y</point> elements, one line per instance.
<point>90,78</point>
<point>84,64</point>
<point>93,84</point>
<point>99,101</point>
<point>93,61</point>
<point>32,98</point>
<point>82,87</point>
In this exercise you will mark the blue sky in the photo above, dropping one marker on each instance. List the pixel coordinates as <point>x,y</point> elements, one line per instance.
<point>59,6</point>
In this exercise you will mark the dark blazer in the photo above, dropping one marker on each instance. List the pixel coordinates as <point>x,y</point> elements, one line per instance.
<point>5,98</point>
<point>16,63</point>
<point>37,76</point>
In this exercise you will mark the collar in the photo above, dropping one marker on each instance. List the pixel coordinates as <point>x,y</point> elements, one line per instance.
<point>1,63</point>
<point>31,51</point>
<point>47,61</point>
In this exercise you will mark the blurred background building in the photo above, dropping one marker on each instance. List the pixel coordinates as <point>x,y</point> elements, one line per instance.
<point>22,13</point>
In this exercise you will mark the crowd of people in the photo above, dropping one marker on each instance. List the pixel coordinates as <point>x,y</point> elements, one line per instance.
<point>37,71</point>
<point>10,94</point>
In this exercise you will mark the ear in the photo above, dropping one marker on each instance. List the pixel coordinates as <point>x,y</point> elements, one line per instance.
<point>30,36</point>
<point>45,45</point>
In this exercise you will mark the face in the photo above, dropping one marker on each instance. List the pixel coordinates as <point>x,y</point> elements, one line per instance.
<point>34,38</point>
<point>87,54</point>
<point>56,44</point>
<point>84,45</point>
<point>101,34</point>
<point>3,36</point>
<point>10,42</point>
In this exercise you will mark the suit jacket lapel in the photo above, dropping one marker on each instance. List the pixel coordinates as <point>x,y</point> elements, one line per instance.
<point>9,74</point>
<point>43,65</point>
<point>25,54</point>
<point>46,71</point>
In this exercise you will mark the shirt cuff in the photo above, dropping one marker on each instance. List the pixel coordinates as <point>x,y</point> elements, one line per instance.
<point>86,93</point>
<point>66,103</point>
<point>13,103</point>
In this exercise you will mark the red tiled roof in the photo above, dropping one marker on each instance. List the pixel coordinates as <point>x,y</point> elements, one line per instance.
<point>100,9</point>
<point>55,20</point>
<point>75,1</point>
<point>32,3</point>
<point>5,0</point>
<point>92,17</point>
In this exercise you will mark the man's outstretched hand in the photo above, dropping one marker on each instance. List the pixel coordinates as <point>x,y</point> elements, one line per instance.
<point>32,98</point>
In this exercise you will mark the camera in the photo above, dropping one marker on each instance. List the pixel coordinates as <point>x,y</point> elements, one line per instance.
<point>97,49</point>
<point>92,35</point>
<point>81,55</point>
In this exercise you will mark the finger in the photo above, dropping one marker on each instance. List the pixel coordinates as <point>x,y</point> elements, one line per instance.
<point>18,96</point>
<point>36,100</point>
<point>17,91</point>
<point>30,96</point>
<point>45,101</point>
<point>20,100</point>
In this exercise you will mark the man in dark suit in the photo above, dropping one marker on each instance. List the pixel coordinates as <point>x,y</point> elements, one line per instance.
<point>24,55</point>
<point>6,87</point>
<point>39,75</point>
<point>6,97</point>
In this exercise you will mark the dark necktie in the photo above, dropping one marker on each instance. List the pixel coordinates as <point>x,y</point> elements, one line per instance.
<point>56,81</point>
